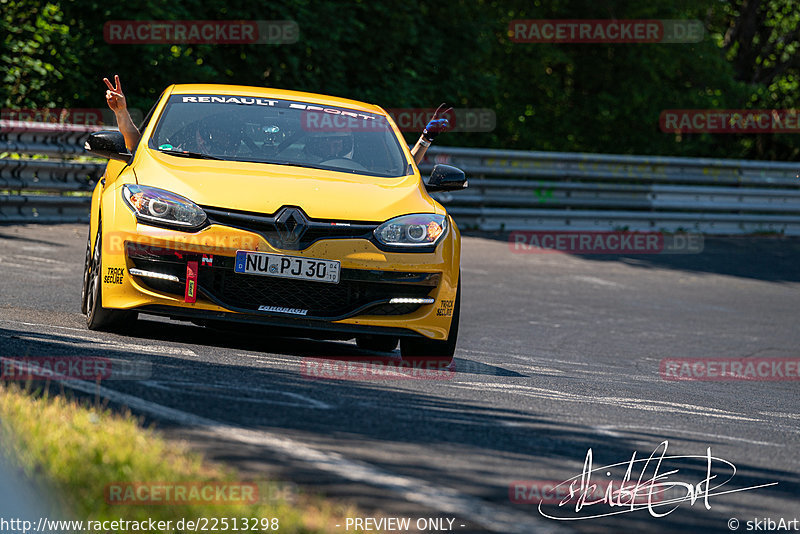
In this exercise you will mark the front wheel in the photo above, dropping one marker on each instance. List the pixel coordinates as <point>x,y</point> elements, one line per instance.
<point>434,352</point>
<point>87,263</point>
<point>98,317</point>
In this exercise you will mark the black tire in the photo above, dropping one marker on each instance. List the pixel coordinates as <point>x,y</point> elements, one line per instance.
<point>86,267</point>
<point>377,343</point>
<point>434,352</point>
<point>98,317</point>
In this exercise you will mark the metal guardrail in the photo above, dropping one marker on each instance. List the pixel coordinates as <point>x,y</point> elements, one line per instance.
<point>514,190</point>
<point>52,190</point>
<point>509,190</point>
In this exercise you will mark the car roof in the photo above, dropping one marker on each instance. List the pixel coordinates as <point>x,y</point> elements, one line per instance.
<point>269,92</point>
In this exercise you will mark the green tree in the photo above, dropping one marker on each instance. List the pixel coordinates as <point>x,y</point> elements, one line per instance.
<point>565,97</point>
<point>38,55</point>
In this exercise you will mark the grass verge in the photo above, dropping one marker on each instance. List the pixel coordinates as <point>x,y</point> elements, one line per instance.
<point>78,450</point>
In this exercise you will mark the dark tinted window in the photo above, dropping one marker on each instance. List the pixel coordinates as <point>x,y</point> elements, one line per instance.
<point>281,132</point>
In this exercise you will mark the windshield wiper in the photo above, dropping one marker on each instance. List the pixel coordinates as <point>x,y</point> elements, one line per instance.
<point>186,154</point>
<point>268,162</point>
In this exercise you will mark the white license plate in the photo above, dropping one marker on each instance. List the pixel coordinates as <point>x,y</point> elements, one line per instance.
<point>286,266</point>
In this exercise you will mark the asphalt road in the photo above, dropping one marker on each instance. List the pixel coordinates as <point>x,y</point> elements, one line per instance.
<point>557,355</point>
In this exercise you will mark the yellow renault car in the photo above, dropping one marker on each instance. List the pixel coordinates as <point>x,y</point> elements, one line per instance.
<point>274,208</point>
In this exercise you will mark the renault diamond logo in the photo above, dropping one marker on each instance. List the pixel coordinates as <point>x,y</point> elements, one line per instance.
<point>291,225</point>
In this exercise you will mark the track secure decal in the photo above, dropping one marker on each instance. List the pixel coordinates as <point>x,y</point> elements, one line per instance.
<point>446,309</point>
<point>114,275</point>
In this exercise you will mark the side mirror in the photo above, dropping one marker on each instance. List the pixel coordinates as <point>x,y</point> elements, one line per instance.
<point>108,144</point>
<point>446,178</point>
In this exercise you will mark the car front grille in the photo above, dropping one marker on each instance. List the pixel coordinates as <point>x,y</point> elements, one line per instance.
<point>359,292</point>
<point>289,228</point>
<point>320,299</point>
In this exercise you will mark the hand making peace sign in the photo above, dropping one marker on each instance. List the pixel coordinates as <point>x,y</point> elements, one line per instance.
<point>114,96</point>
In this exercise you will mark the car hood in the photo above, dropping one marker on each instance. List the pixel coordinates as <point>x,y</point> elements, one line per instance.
<point>263,188</point>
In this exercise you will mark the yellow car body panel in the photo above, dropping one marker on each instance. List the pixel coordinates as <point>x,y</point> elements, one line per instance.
<point>259,187</point>
<point>265,188</point>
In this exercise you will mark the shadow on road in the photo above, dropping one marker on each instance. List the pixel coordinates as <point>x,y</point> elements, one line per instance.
<point>390,419</point>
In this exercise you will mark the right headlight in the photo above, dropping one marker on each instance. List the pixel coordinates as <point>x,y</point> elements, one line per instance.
<point>162,208</point>
<point>416,230</point>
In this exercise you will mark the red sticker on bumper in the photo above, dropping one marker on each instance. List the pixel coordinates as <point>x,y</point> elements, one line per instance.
<point>191,282</point>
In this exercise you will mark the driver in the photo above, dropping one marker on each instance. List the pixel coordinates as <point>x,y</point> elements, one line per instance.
<point>327,146</point>
<point>215,135</point>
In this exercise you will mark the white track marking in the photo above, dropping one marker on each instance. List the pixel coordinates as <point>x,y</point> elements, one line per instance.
<point>526,357</point>
<point>777,414</point>
<point>6,263</point>
<point>37,259</point>
<point>528,368</point>
<point>646,405</point>
<point>99,343</point>
<point>531,368</point>
<point>263,358</point>
<point>597,281</point>
<point>37,276</point>
<point>40,248</point>
<point>551,325</point>
<point>181,386</point>
<point>610,429</point>
<point>103,344</point>
<point>48,326</point>
<point>442,499</point>
<point>540,365</point>
<point>11,267</point>
<point>607,431</point>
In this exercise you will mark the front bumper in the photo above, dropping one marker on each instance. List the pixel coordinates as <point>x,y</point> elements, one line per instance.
<point>358,304</point>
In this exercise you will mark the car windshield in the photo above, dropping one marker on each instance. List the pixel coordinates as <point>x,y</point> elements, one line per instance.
<point>282,132</point>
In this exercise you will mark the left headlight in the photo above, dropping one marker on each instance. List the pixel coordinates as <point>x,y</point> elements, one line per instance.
<point>160,207</point>
<point>417,230</point>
